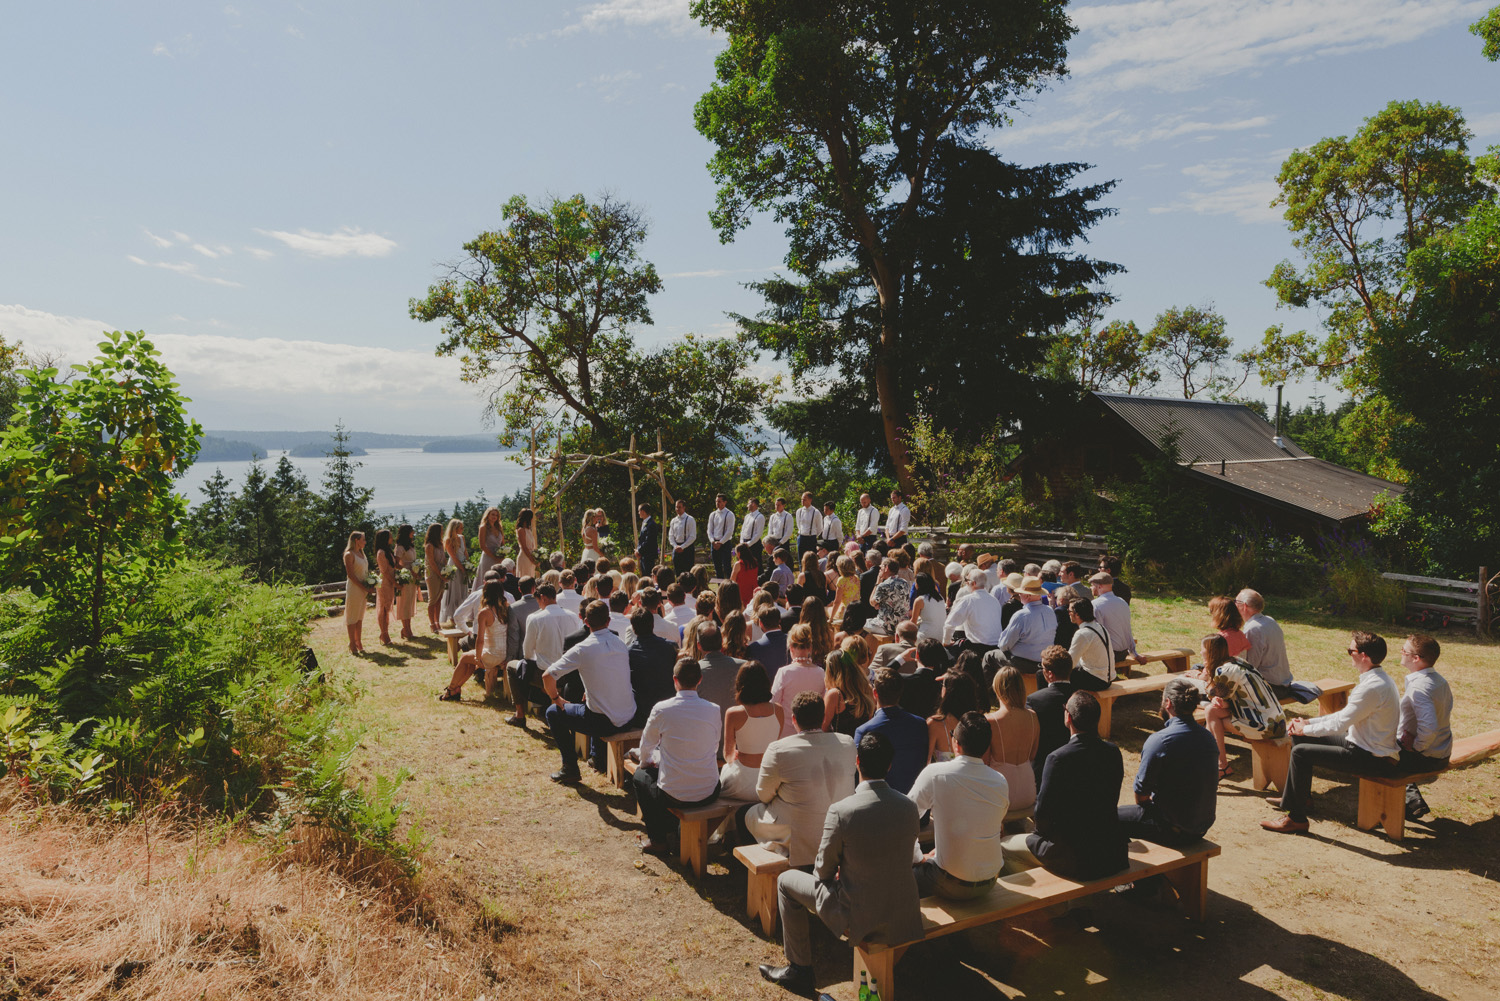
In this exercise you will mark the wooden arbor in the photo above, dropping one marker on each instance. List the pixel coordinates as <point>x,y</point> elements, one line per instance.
<point>652,464</point>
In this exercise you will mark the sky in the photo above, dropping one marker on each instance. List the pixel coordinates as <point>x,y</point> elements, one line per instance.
<point>262,187</point>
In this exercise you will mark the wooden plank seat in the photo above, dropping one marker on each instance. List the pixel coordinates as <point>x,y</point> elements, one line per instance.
<point>616,747</point>
<point>452,636</point>
<point>762,866</point>
<point>697,822</point>
<point>1269,759</point>
<point>1177,659</point>
<point>1185,869</point>
<point>1383,801</point>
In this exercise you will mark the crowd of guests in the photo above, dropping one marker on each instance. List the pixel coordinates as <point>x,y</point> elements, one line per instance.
<point>874,692</point>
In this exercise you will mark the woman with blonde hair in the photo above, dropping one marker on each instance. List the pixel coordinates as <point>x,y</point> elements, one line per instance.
<point>491,538</point>
<point>590,532</point>
<point>457,551</point>
<point>1015,733</point>
<point>728,600</point>
<point>432,551</point>
<point>526,565</point>
<point>847,698</point>
<point>736,634</point>
<point>356,595</point>
<point>816,617</point>
<point>802,674</point>
<point>845,589</point>
<point>629,582</point>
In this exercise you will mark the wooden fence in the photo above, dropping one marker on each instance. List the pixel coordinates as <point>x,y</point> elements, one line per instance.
<point>1445,602</point>
<point>1028,546</point>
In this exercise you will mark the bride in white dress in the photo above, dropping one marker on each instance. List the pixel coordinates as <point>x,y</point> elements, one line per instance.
<point>590,532</point>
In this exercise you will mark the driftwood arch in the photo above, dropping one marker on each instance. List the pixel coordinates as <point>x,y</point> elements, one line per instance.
<point>652,464</point>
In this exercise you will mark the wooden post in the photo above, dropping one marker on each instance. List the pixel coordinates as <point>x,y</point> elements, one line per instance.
<point>661,478</point>
<point>1482,621</point>
<point>635,529</point>
<point>531,500</point>
<point>555,460</point>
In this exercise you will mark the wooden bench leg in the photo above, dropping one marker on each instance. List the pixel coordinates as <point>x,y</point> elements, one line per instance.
<point>694,850</point>
<point>760,900</point>
<point>1384,805</point>
<point>615,755</point>
<point>1332,702</point>
<point>1176,664</point>
<point>452,650</point>
<point>1191,884</point>
<point>1106,721</point>
<point>581,745</point>
<point>880,965</point>
<point>1269,761</point>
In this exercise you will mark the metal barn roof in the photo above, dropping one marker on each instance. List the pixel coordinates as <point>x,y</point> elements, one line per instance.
<point>1234,447</point>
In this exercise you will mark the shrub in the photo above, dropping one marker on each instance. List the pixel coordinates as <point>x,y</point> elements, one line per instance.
<point>1353,584</point>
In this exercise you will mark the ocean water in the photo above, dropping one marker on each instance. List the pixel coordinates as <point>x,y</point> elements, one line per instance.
<point>405,480</point>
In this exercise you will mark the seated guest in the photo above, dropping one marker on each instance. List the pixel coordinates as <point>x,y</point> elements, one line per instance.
<point>1424,735</point>
<point>891,598</point>
<point>1112,566</point>
<point>1005,593</point>
<point>1014,736</point>
<point>1240,699</point>
<point>652,663</point>
<point>719,669</point>
<point>968,801</point>
<point>735,632</point>
<point>1176,787</point>
<point>567,592</point>
<point>1359,739</point>
<point>1078,833</point>
<point>1031,630</point>
<point>1071,575</point>
<point>1093,655</point>
<point>800,777</point>
<point>1225,615</point>
<point>863,886</point>
<point>750,725</point>
<point>652,601</point>
<point>679,758</point>
<point>1049,704</point>
<point>680,613</point>
<point>959,698</point>
<point>603,665</point>
<point>976,614</point>
<point>893,655</point>
<point>520,611</point>
<point>906,731</point>
<point>619,617</point>
<point>1267,650</point>
<point>922,689</point>
<point>488,654</point>
<point>770,649</point>
<point>803,674</point>
<point>1062,600</point>
<point>546,630</point>
<point>1113,613</point>
<point>781,573</point>
<point>847,698</point>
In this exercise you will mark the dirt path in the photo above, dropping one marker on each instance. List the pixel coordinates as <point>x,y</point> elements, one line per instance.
<point>1337,914</point>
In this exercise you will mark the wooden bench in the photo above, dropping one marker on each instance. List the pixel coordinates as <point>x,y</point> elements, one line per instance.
<point>1269,759</point>
<point>1383,801</point>
<point>697,822</point>
<point>616,745</point>
<point>762,866</point>
<point>452,636</point>
<point>1034,889</point>
<point>1176,660</point>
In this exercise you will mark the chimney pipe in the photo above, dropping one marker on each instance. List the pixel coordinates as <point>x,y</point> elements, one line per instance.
<point>1278,409</point>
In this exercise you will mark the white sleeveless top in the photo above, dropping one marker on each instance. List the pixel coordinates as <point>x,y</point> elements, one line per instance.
<point>756,734</point>
<point>494,642</point>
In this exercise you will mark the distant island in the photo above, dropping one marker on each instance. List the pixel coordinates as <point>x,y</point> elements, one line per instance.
<point>461,445</point>
<point>227,450</point>
<point>314,450</point>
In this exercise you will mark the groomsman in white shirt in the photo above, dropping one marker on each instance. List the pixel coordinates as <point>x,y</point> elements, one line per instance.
<point>866,523</point>
<point>809,525</point>
<point>833,529</point>
<point>896,521</point>
<point>721,536</point>
<point>778,527</point>
<point>681,535</point>
<point>751,527</point>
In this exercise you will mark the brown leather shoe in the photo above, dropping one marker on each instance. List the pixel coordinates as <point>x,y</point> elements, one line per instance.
<point>1285,825</point>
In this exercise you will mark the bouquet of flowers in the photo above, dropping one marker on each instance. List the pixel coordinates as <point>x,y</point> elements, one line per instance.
<point>403,577</point>
<point>472,566</point>
<point>419,569</point>
<point>449,569</point>
<point>372,581</point>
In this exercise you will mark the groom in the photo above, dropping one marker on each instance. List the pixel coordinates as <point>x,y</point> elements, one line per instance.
<point>645,556</point>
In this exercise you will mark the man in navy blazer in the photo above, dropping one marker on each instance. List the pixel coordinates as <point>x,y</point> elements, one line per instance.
<point>650,541</point>
<point>770,649</point>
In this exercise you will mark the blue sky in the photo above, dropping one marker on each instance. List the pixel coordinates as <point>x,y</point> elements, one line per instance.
<point>263,186</point>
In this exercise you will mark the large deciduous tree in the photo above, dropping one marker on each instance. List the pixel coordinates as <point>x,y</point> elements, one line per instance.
<point>1488,28</point>
<point>1192,349</point>
<point>854,123</point>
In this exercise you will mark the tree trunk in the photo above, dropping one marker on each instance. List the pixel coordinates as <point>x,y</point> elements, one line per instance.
<point>892,412</point>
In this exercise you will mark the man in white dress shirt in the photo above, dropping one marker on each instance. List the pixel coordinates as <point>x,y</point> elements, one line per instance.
<point>751,528</point>
<point>778,527</point>
<point>832,536</point>
<point>1425,735</point>
<point>681,535</point>
<point>1113,613</point>
<point>681,611</point>
<point>968,800</point>
<point>866,523</point>
<point>546,629</point>
<point>679,757</point>
<point>1359,739</point>
<point>809,525</point>
<point>603,664</point>
<point>897,520</point>
<point>721,536</point>
<point>977,613</point>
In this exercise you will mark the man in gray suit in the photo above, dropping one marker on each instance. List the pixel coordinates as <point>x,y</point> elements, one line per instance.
<point>801,776</point>
<point>862,885</point>
<point>719,669</point>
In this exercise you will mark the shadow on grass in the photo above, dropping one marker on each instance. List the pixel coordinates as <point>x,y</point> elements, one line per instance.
<point>1452,846</point>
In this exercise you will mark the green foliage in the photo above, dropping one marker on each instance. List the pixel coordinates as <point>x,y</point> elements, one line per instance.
<point>1488,28</point>
<point>1161,524</point>
<point>1103,357</point>
<point>1441,369</point>
<point>1353,585</point>
<point>86,470</point>
<point>1357,207</point>
<point>857,127</point>
<point>1192,349</point>
<point>960,484</point>
<point>11,361</point>
<point>828,473</point>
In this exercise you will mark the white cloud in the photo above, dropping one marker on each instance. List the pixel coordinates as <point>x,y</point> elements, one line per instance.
<point>1248,202</point>
<point>259,253</point>
<point>159,241</point>
<point>349,241</point>
<point>1121,128</point>
<point>671,15</point>
<point>1178,44</point>
<point>276,381</point>
<point>185,268</point>
<point>294,31</point>
<point>210,252</point>
<point>181,237</point>
<point>160,49</point>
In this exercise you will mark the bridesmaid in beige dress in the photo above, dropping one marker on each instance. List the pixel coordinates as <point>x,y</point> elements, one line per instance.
<point>437,558</point>
<point>491,538</point>
<point>526,543</point>
<point>385,596</point>
<point>457,588</point>
<point>356,595</point>
<point>406,559</point>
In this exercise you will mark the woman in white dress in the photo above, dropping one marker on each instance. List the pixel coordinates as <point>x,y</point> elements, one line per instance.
<point>491,538</point>
<point>749,727</point>
<point>928,610</point>
<point>489,645</point>
<point>356,595</point>
<point>437,558</point>
<point>526,543</point>
<point>590,532</point>
<point>458,584</point>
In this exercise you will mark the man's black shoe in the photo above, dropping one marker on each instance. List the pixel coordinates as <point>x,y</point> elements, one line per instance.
<point>797,979</point>
<point>565,776</point>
